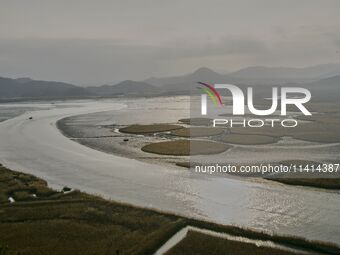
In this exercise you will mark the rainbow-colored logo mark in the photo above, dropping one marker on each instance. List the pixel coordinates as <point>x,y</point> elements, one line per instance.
<point>212,93</point>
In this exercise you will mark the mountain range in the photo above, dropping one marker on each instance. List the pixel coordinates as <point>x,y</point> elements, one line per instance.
<point>275,75</point>
<point>254,75</point>
<point>27,88</point>
<point>321,79</point>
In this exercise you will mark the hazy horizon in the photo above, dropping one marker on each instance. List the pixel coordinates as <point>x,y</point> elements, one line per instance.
<point>222,72</point>
<point>93,43</point>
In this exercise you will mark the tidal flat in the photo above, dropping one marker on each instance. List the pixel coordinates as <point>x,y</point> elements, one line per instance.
<point>164,142</point>
<point>40,149</point>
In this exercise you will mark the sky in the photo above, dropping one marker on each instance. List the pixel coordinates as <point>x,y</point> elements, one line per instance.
<point>89,42</point>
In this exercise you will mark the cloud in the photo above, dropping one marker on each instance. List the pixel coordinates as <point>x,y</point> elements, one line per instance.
<point>337,42</point>
<point>224,46</point>
<point>158,38</point>
<point>99,61</point>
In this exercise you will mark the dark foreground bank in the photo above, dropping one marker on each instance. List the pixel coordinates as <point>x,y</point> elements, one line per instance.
<point>35,219</point>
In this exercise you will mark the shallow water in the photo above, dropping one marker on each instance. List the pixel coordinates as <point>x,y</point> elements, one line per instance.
<point>36,146</point>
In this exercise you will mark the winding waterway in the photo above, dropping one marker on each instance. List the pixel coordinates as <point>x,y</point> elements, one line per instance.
<point>36,146</point>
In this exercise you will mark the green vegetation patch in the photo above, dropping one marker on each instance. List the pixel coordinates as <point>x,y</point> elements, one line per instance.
<point>198,132</point>
<point>186,148</point>
<point>249,139</point>
<point>316,179</point>
<point>22,187</point>
<point>298,162</point>
<point>324,137</point>
<point>22,196</point>
<point>145,129</point>
<point>266,130</point>
<point>185,164</point>
<point>323,118</point>
<point>313,132</point>
<point>324,183</point>
<point>196,121</point>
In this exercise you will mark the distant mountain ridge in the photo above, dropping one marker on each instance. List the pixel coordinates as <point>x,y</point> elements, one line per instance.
<point>201,74</point>
<point>27,88</point>
<point>319,77</point>
<point>255,75</point>
<point>127,87</point>
<point>285,74</point>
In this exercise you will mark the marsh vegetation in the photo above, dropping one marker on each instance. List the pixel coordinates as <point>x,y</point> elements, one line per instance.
<point>146,129</point>
<point>186,147</point>
<point>77,223</point>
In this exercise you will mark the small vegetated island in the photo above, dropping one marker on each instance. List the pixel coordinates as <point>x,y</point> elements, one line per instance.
<point>177,147</point>
<point>316,179</point>
<point>196,136</point>
<point>249,139</point>
<point>321,128</point>
<point>186,147</point>
<point>38,220</point>
<point>147,129</point>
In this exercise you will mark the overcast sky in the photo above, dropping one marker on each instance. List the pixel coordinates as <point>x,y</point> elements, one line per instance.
<point>104,41</point>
